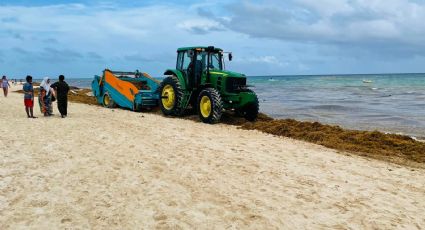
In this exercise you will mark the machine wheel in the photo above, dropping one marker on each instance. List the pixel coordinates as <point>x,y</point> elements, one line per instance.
<point>210,106</point>
<point>107,101</point>
<point>136,108</point>
<point>171,96</point>
<point>250,111</point>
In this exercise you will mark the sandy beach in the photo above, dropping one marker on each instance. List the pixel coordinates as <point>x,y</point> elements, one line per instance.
<point>115,169</point>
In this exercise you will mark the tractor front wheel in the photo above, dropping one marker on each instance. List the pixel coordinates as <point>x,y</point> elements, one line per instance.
<point>107,101</point>
<point>171,96</point>
<point>210,106</point>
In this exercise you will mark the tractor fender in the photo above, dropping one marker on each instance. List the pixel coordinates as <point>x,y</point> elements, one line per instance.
<point>179,76</point>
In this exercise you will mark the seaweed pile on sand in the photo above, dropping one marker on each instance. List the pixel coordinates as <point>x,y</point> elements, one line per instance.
<point>83,96</point>
<point>394,148</point>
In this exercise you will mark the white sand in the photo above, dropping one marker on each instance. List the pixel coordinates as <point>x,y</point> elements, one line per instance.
<point>116,169</point>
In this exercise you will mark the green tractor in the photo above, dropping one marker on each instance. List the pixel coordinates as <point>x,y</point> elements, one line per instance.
<point>201,81</point>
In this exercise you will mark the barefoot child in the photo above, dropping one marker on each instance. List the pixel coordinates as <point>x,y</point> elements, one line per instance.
<point>29,97</point>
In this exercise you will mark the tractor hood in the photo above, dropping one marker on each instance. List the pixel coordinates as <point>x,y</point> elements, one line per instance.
<point>226,73</point>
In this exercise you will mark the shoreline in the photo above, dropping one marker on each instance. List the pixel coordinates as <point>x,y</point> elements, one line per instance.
<point>390,147</point>
<point>386,130</point>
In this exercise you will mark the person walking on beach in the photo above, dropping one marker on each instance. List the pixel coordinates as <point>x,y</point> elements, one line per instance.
<point>29,97</point>
<point>62,89</point>
<point>5,85</point>
<point>45,97</point>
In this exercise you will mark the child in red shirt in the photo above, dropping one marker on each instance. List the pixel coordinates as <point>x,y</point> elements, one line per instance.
<point>29,97</point>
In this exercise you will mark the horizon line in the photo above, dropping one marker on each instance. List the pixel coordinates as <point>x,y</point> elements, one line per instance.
<point>268,75</point>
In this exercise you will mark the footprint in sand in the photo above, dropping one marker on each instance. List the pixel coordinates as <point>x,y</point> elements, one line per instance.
<point>64,220</point>
<point>39,203</point>
<point>160,217</point>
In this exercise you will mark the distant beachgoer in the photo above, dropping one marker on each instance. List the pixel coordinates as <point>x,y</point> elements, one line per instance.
<point>29,97</point>
<point>62,89</point>
<point>45,97</point>
<point>5,85</point>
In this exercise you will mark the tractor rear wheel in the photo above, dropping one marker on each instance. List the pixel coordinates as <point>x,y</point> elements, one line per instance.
<point>250,111</point>
<point>171,94</point>
<point>107,101</point>
<point>210,106</point>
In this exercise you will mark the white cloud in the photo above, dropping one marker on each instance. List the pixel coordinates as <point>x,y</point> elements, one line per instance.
<point>328,8</point>
<point>381,29</point>
<point>359,22</point>
<point>200,25</point>
<point>267,60</point>
<point>113,34</point>
<point>85,39</point>
<point>267,37</point>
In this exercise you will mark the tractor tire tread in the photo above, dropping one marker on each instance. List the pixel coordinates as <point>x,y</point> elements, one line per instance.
<point>175,83</point>
<point>217,105</point>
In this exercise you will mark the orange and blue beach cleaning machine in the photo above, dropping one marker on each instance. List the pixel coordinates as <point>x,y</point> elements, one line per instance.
<point>131,90</point>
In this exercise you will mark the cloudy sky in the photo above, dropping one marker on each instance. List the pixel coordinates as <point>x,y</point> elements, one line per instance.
<point>80,38</point>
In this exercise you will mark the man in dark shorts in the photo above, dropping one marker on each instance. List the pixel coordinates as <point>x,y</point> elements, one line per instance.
<point>29,97</point>
<point>62,89</point>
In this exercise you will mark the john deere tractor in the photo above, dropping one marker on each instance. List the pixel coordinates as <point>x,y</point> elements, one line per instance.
<point>200,81</point>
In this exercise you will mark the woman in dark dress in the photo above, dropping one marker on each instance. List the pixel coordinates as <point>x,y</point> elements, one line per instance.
<point>62,89</point>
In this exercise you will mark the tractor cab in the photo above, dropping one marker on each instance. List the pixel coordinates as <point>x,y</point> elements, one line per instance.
<point>195,62</point>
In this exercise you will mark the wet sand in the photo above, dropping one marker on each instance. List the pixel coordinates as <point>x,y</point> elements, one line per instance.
<point>116,169</point>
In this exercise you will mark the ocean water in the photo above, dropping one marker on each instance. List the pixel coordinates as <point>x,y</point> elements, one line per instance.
<point>83,83</point>
<point>387,102</point>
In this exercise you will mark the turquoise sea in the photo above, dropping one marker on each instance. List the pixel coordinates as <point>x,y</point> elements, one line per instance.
<point>386,102</point>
